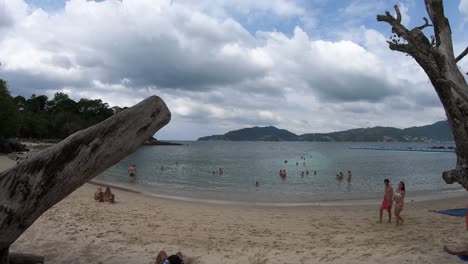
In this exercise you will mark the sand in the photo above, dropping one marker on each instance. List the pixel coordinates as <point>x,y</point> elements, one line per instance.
<point>136,227</point>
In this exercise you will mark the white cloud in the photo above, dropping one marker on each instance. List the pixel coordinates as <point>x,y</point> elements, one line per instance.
<point>405,17</point>
<point>361,7</point>
<point>224,7</point>
<point>463,7</point>
<point>213,74</point>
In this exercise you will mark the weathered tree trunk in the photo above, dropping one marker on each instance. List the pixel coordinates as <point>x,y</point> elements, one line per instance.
<point>437,59</point>
<point>4,255</point>
<point>36,184</point>
<point>16,258</point>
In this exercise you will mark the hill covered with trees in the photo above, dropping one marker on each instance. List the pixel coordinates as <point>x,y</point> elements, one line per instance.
<point>439,131</point>
<point>42,118</point>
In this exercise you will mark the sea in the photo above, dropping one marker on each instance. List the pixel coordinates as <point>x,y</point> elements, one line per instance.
<point>191,171</point>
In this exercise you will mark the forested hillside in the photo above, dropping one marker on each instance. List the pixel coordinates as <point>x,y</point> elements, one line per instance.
<point>41,117</point>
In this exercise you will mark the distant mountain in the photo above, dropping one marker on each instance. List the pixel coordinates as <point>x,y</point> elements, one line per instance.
<point>270,133</point>
<point>439,131</point>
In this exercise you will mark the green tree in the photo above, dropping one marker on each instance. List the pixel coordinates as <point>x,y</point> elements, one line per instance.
<point>36,103</point>
<point>8,112</point>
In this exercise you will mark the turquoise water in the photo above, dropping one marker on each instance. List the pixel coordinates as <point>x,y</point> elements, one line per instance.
<point>187,170</point>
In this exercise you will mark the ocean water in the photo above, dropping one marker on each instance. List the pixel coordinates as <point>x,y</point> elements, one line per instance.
<point>187,170</point>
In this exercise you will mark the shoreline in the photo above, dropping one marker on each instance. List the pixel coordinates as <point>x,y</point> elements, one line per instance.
<point>6,162</point>
<point>423,197</point>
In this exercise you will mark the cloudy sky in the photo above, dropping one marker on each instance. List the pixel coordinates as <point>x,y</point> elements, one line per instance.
<point>302,65</point>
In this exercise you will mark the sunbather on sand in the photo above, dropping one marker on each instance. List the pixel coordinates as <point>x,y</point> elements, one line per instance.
<point>463,253</point>
<point>162,258</point>
<point>99,195</point>
<point>108,196</point>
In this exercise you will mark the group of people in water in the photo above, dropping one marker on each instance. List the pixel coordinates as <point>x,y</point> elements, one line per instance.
<point>107,196</point>
<point>340,176</point>
<point>220,171</point>
<point>283,174</point>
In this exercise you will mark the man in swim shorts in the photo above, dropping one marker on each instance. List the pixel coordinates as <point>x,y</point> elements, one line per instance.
<point>387,201</point>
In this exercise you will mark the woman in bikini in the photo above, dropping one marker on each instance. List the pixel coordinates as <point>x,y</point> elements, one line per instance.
<point>399,199</point>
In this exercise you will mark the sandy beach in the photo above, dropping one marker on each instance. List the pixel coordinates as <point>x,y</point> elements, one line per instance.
<point>136,227</point>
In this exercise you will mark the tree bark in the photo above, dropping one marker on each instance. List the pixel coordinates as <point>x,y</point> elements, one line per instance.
<point>17,258</point>
<point>4,255</point>
<point>36,184</point>
<point>438,61</point>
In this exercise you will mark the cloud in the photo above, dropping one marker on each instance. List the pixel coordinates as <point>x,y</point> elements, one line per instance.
<point>463,8</point>
<point>212,72</point>
<point>405,17</point>
<point>358,8</point>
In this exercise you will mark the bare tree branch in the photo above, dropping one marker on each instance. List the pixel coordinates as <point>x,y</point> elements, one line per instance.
<point>426,24</point>
<point>443,33</point>
<point>399,47</point>
<point>398,13</point>
<point>463,54</point>
<point>418,43</point>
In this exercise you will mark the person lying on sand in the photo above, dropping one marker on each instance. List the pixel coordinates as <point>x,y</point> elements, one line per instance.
<point>463,254</point>
<point>108,196</point>
<point>99,195</point>
<point>162,258</point>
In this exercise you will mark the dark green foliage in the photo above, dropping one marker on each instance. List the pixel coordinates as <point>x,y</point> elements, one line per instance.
<point>39,117</point>
<point>270,133</point>
<point>8,112</point>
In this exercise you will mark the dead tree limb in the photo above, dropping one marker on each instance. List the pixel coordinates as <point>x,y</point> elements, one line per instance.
<point>30,188</point>
<point>426,24</point>
<point>16,258</point>
<point>463,54</point>
<point>436,58</point>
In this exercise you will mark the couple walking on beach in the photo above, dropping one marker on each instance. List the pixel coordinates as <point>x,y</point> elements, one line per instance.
<point>389,198</point>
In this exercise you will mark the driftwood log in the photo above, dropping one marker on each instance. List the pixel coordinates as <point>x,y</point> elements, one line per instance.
<point>436,57</point>
<point>36,184</point>
<point>16,258</point>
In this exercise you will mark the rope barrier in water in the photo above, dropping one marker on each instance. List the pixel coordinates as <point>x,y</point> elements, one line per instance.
<point>414,150</point>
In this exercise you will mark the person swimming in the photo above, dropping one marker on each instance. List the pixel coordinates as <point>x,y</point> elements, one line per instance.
<point>282,173</point>
<point>132,170</point>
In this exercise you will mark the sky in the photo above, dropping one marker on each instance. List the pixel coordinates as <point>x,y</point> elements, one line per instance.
<point>307,66</point>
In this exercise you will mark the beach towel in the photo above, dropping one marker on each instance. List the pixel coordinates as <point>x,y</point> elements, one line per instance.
<point>463,258</point>
<point>454,212</point>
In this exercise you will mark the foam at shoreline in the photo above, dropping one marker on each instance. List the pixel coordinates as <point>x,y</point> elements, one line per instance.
<point>423,197</point>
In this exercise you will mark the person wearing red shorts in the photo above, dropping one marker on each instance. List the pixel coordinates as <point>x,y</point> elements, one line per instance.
<point>387,201</point>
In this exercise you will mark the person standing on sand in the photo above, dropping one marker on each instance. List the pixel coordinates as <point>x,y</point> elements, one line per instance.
<point>387,201</point>
<point>399,199</point>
